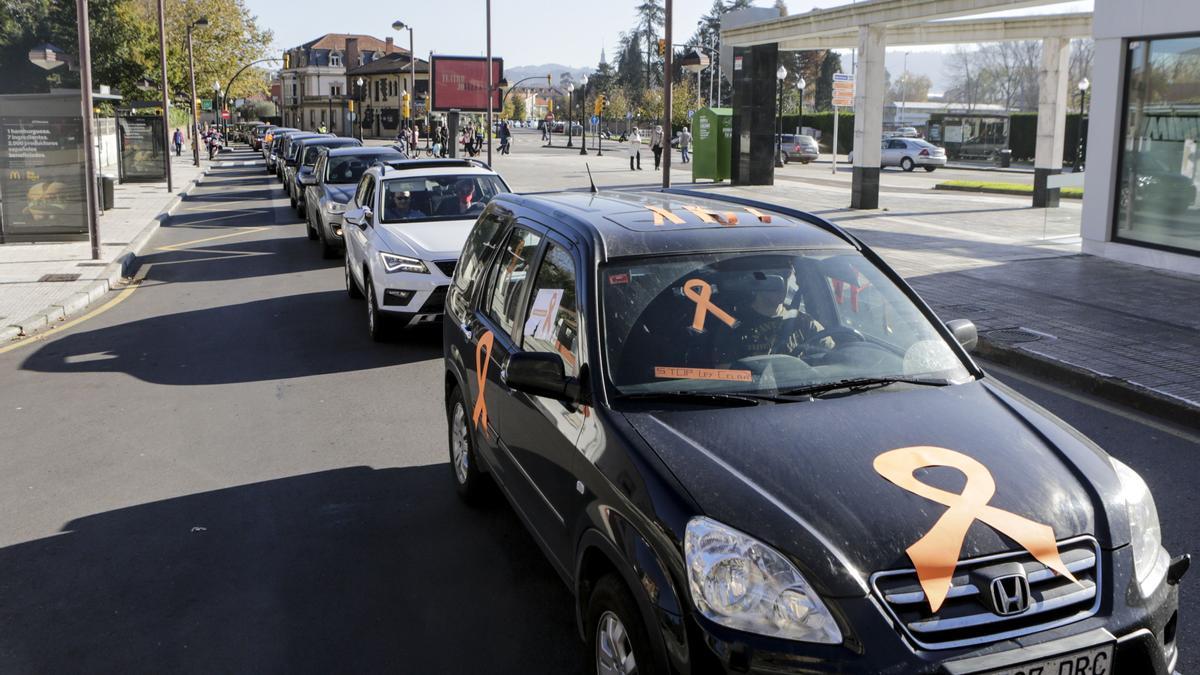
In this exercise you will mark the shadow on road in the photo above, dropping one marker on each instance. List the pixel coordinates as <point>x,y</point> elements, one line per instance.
<point>350,570</point>
<point>276,338</point>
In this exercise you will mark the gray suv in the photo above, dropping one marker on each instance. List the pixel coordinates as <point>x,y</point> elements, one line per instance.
<point>331,184</point>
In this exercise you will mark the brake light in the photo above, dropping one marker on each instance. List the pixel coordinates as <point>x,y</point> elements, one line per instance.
<point>796,149</point>
<point>925,152</point>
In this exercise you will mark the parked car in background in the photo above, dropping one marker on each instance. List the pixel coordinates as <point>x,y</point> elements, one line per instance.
<point>330,185</point>
<point>305,157</point>
<point>908,132</point>
<point>287,152</point>
<point>800,148</point>
<point>909,153</point>
<point>271,147</point>
<point>755,449</point>
<point>404,230</point>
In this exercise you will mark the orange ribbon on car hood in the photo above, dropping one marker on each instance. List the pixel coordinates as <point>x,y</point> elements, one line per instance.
<point>700,292</point>
<point>936,554</point>
<point>479,415</point>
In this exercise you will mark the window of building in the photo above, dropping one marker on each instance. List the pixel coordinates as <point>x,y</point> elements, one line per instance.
<point>335,60</point>
<point>1159,175</point>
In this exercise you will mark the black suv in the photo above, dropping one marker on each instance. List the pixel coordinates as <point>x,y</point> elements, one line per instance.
<point>748,446</point>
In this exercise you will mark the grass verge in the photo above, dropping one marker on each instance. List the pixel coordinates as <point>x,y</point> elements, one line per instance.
<point>1002,188</point>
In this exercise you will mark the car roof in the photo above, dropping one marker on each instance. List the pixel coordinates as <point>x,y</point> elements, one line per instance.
<point>408,168</point>
<point>364,150</point>
<point>328,138</point>
<point>640,223</point>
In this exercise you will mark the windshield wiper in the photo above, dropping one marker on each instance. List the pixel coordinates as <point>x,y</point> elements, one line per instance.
<point>712,397</point>
<point>859,384</point>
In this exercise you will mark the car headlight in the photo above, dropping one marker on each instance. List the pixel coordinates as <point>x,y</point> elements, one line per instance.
<point>1150,559</point>
<point>335,207</point>
<point>741,583</point>
<point>400,263</point>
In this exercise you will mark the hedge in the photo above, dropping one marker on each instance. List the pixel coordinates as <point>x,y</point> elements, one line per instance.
<point>824,122</point>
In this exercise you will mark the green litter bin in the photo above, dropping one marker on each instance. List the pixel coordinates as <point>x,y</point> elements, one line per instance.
<point>712,137</point>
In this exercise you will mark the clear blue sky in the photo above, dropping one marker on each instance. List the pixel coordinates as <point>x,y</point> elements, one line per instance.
<point>524,32</point>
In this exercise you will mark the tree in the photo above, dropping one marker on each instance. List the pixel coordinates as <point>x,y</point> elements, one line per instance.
<point>651,16</point>
<point>232,39</point>
<point>823,91</point>
<point>1082,52</point>
<point>630,74</point>
<point>910,87</point>
<point>518,105</point>
<point>963,72</point>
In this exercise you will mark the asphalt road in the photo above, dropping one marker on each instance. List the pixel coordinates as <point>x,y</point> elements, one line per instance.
<point>222,473</point>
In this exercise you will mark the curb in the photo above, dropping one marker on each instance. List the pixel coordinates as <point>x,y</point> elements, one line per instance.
<point>1107,387</point>
<point>120,268</point>
<point>993,191</point>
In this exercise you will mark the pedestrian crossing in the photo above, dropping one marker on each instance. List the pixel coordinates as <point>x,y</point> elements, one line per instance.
<point>230,165</point>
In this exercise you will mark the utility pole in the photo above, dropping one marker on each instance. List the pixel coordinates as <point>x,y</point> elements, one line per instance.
<point>489,80</point>
<point>667,54</point>
<point>89,132</point>
<point>166,97</point>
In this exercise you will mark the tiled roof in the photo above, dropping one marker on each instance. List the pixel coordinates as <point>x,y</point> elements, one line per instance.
<point>338,41</point>
<point>392,63</point>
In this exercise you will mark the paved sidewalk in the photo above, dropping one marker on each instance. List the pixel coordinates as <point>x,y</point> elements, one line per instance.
<point>28,304</point>
<point>1126,332</point>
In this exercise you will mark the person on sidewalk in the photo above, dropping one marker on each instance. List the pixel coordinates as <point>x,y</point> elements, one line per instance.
<point>505,135</point>
<point>656,144</point>
<point>178,140</point>
<point>634,144</point>
<point>685,140</point>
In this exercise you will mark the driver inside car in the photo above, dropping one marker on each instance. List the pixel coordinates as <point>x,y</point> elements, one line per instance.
<point>399,207</point>
<point>464,201</point>
<point>769,327</point>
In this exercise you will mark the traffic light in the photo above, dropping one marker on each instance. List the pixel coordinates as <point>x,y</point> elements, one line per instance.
<point>407,111</point>
<point>662,48</point>
<point>599,105</point>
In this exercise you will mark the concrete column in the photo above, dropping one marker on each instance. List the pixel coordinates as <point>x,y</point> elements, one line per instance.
<point>868,117</point>
<point>1052,118</point>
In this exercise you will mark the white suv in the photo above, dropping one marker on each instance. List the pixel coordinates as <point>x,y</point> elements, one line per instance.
<point>404,229</point>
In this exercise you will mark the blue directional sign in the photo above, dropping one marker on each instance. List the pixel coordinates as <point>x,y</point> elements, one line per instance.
<point>690,113</point>
<point>595,120</point>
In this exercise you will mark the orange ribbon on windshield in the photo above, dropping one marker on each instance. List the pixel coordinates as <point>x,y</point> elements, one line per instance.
<point>936,554</point>
<point>699,292</point>
<point>479,415</point>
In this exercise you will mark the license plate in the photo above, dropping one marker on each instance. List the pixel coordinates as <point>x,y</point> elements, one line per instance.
<point>1094,661</point>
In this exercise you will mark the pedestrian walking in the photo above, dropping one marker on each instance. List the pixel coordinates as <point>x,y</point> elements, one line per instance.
<point>685,140</point>
<point>178,139</point>
<point>505,135</point>
<point>656,144</point>
<point>443,139</point>
<point>545,129</point>
<point>634,144</point>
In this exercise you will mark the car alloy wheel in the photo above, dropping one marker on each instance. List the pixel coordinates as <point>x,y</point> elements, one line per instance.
<point>351,287</point>
<point>460,448</point>
<point>614,652</point>
<point>907,164</point>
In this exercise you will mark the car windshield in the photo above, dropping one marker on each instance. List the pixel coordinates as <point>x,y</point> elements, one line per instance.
<point>807,140</point>
<point>923,144</point>
<point>350,168</point>
<point>765,323</point>
<point>311,152</point>
<point>445,197</point>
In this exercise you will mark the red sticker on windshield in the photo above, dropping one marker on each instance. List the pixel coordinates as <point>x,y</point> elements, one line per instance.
<point>614,279</point>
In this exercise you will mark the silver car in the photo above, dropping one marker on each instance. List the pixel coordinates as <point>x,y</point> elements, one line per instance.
<point>909,153</point>
<point>800,148</point>
<point>304,158</point>
<point>330,185</point>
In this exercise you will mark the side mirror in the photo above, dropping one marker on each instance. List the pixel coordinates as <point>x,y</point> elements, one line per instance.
<point>353,217</point>
<point>965,332</point>
<point>540,374</point>
<point>308,179</point>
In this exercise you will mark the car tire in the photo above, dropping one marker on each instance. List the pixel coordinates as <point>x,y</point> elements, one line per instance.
<point>351,287</point>
<point>309,229</point>
<point>377,323</point>
<point>328,251</point>
<point>464,459</point>
<point>907,164</point>
<point>616,631</point>
<point>929,169</point>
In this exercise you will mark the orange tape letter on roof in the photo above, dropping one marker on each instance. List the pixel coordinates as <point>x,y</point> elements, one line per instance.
<point>936,554</point>
<point>660,213</point>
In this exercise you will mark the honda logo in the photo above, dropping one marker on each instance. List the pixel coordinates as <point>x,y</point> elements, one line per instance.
<point>1010,594</point>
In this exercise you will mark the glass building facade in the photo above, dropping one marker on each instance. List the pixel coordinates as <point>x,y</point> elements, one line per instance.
<point>1159,167</point>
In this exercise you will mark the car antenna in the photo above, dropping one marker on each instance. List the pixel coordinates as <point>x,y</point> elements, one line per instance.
<point>593,183</point>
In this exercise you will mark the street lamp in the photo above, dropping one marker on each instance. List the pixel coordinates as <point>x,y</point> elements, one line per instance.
<point>1083,87</point>
<point>218,106</point>
<point>201,23</point>
<point>570,114</point>
<point>412,58</point>
<point>359,113</point>
<point>800,85</point>
<point>781,74</point>
<point>582,113</point>
<point>904,94</point>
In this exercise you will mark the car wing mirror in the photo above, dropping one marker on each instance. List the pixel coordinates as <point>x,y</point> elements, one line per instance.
<point>354,217</point>
<point>308,179</point>
<point>540,374</point>
<point>965,332</point>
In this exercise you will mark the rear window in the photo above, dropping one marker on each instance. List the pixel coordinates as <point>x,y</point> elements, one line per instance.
<point>350,168</point>
<point>445,197</point>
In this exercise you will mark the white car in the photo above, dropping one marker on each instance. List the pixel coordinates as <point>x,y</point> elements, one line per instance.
<point>404,230</point>
<point>909,153</point>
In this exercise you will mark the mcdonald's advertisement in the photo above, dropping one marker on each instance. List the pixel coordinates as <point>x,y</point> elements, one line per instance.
<point>42,179</point>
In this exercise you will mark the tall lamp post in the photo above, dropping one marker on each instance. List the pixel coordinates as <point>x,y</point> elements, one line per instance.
<point>800,84</point>
<point>166,85</point>
<point>904,95</point>
<point>412,55</point>
<point>582,114</point>
<point>1083,87</point>
<point>218,106</point>
<point>780,74</point>
<point>358,95</point>
<point>201,23</point>
<point>570,115</point>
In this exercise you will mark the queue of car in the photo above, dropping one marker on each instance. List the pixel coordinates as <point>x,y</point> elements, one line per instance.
<point>686,398</point>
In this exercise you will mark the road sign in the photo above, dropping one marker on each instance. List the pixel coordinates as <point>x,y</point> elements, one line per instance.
<point>843,77</point>
<point>595,120</point>
<point>847,101</point>
<point>690,113</point>
<point>629,115</point>
<point>224,114</point>
<point>843,90</point>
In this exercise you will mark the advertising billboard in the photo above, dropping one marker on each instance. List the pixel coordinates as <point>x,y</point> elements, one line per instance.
<point>142,153</point>
<point>460,83</point>
<point>42,194</point>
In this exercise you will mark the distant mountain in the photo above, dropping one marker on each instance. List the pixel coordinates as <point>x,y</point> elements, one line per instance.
<point>514,73</point>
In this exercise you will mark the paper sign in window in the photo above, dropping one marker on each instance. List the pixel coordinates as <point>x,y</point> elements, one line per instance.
<point>542,316</point>
<point>668,372</point>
